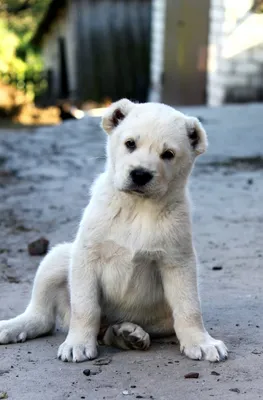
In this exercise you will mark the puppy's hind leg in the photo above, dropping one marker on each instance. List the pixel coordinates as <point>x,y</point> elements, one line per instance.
<point>49,291</point>
<point>127,336</point>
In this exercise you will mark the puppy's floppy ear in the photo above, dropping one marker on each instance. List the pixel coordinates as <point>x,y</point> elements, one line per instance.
<point>196,135</point>
<point>115,114</point>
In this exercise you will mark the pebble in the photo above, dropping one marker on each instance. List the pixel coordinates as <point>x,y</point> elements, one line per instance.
<point>192,375</point>
<point>39,247</point>
<point>103,361</point>
<point>217,268</point>
<point>86,372</point>
<point>236,390</point>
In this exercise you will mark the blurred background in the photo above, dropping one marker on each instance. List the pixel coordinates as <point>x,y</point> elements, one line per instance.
<point>61,59</point>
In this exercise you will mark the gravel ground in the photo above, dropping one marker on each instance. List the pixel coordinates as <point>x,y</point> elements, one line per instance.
<point>45,177</point>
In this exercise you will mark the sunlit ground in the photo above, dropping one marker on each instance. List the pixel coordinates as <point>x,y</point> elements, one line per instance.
<point>97,112</point>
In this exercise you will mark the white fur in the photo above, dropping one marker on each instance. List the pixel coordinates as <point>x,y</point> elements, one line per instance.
<point>132,266</point>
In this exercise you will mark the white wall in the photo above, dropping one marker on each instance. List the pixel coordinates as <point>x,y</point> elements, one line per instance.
<point>235,50</point>
<point>235,62</point>
<point>157,49</point>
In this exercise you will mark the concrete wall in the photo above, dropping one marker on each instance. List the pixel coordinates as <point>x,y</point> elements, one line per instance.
<point>64,27</point>
<point>235,52</point>
<point>157,49</point>
<point>235,62</point>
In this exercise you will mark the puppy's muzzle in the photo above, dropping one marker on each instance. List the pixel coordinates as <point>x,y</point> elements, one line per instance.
<point>140,176</point>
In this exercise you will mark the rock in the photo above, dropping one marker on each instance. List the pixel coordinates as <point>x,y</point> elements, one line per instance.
<point>236,390</point>
<point>192,375</point>
<point>217,268</point>
<point>86,372</point>
<point>215,373</point>
<point>256,352</point>
<point>38,247</point>
<point>103,361</point>
<point>250,181</point>
<point>12,279</point>
<point>3,372</point>
<point>126,392</point>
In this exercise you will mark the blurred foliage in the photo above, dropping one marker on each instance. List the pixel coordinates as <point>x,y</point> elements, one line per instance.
<point>20,62</point>
<point>257,6</point>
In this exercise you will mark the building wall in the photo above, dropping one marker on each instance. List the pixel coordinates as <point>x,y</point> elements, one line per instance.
<point>157,49</point>
<point>235,52</point>
<point>64,27</point>
<point>179,51</point>
<point>235,62</point>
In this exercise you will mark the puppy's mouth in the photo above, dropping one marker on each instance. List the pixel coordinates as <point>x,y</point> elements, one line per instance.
<point>135,190</point>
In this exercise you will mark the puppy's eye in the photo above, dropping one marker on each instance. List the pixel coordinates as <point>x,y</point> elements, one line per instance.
<point>130,144</point>
<point>167,155</point>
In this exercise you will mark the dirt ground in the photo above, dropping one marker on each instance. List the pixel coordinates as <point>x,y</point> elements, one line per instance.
<point>44,185</point>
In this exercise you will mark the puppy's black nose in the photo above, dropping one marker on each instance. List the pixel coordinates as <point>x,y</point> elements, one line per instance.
<point>140,176</point>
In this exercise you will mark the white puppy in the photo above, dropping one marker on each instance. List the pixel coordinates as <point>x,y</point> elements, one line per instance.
<point>131,271</point>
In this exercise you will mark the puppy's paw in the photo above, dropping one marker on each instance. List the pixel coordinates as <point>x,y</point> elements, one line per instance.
<point>132,336</point>
<point>76,352</point>
<point>11,332</point>
<point>202,346</point>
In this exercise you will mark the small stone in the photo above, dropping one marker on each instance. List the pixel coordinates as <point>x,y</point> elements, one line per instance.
<point>250,181</point>
<point>38,247</point>
<point>133,386</point>
<point>103,361</point>
<point>125,392</point>
<point>86,372</point>
<point>215,373</point>
<point>98,371</point>
<point>12,279</point>
<point>139,397</point>
<point>236,390</point>
<point>3,395</point>
<point>192,375</point>
<point>3,372</point>
<point>256,351</point>
<point>217,268</point>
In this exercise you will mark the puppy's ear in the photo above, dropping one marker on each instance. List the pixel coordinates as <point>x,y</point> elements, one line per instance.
<point>196,135</point>
<point>115,114</point>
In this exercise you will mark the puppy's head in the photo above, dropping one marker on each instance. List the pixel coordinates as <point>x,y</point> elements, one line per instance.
<point>151,147</point>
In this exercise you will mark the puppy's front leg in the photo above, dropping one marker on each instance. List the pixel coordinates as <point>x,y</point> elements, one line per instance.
<point>81,342</point>
<point>180,287</point>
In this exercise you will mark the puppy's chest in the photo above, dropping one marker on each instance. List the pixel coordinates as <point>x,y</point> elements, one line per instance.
<point>129,276</point>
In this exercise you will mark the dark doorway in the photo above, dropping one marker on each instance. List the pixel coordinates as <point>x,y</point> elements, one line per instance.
<point>113,49</point>
<point>63,70</point>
